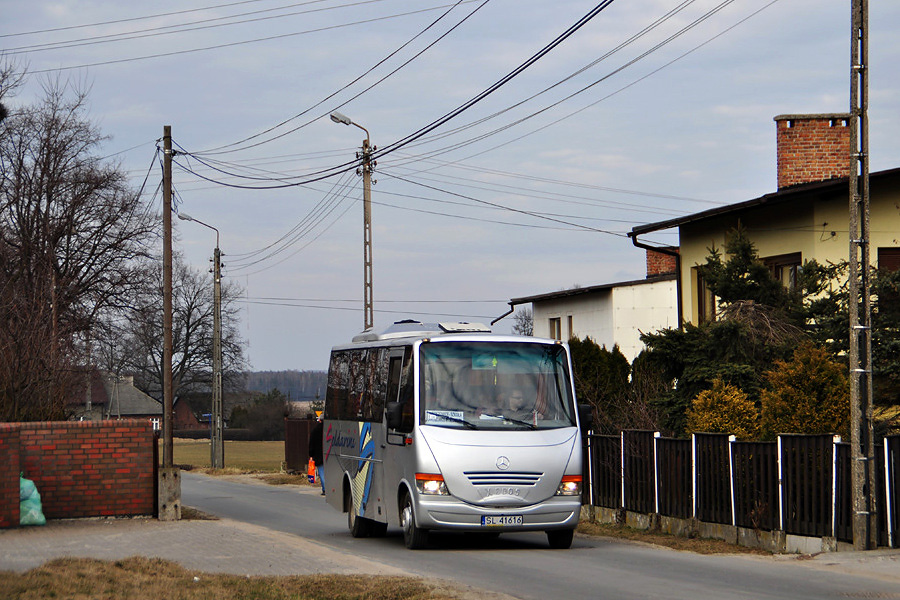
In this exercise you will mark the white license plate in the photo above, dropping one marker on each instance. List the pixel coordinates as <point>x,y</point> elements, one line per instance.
<point>500,520</point>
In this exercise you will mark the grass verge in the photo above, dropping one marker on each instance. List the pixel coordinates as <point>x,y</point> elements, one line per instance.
<point>90,579</point>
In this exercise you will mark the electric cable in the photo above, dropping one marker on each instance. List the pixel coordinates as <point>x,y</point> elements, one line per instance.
<point>243,42</point>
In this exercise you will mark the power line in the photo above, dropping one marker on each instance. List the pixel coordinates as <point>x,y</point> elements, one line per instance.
<point>128,20</point>
<point>448,116</point>
<point>179,27</point>
<point>355,80</point>
<point>244,42</point>
<point>511,209</point>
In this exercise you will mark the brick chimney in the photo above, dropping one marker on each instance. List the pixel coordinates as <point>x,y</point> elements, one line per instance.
<point>660,264</point>
<point>812,148</point>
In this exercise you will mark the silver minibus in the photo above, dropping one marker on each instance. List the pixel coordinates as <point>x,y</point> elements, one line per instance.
<point>450,427</point>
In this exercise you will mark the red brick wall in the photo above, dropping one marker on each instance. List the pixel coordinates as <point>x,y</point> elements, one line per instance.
<point>812,148</point>
<point>9,476</point>
<point>88,469</point>
<point>660,264</point>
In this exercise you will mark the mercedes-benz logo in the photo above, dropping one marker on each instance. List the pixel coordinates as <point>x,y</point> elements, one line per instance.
<point>502,463</point>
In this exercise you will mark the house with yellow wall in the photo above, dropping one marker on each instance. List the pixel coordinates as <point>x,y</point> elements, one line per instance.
<point>807,218</point>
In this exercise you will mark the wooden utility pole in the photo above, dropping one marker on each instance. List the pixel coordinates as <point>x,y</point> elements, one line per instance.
<point>861,428</point>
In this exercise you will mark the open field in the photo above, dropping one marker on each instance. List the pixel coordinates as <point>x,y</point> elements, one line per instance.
<point>244,457</point>
<point>89,579</point>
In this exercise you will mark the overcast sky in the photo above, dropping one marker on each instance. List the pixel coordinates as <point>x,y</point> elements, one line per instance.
<point>650,110</point>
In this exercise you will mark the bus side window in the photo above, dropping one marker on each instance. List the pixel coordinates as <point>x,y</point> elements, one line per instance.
<point>407,396</point>
<point>376,377</point>
<point>338,391</point>
<point>393,388</point>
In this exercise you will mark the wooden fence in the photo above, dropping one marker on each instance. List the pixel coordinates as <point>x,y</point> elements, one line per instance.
<point>798,484</point>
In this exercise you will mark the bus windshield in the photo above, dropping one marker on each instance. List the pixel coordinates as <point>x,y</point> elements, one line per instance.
<point>495,385</point>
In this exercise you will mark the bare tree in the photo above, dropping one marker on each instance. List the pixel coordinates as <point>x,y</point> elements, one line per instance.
<point>523,322</point>
<point>135,345</point>
<point>70,231</point>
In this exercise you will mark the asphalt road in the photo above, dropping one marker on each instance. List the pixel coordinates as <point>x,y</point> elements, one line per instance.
<point>523,566</point>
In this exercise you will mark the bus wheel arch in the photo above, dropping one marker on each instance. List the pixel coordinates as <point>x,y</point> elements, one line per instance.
<point>359,526</point>
<point>414,537</point>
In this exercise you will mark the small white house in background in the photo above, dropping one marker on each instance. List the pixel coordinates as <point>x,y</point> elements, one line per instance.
<point>612,313</point>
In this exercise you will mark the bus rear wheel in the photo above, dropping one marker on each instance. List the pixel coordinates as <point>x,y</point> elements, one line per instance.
<point>560,539</point>
<point>359,526</point>
<point>413,536</point>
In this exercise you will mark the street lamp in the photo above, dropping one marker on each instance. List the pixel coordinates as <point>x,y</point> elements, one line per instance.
<point>368,165</point>
<point>217,448</point>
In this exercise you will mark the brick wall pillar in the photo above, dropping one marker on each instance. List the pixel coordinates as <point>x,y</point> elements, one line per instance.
<point>9,475</point>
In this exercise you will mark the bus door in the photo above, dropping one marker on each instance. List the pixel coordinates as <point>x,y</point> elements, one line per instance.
<point>398,458</point>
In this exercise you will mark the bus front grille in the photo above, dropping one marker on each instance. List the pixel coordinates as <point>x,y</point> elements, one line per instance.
<point>492,478</point>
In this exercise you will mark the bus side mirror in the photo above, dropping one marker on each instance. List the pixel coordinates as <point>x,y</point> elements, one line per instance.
<point>394,415</point>
<point>585,416</point>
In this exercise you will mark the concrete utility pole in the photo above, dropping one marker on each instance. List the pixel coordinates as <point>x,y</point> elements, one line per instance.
<point>865,533</point>
<point>167,298</point>
<point>368,165</point>
<point>217,425</point>
<point>169,484</point>
<point>216,422</point>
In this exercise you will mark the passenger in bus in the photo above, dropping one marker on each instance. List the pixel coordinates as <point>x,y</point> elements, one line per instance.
<point>520,406</point>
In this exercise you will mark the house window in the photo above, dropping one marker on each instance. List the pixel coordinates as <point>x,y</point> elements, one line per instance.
<point>155,422</point>
<point>888,262</point>
<point>889,259</point>
<point>706,300</point>
<point>571,327</point>
<point>556,328</point>
<point>785,268</point>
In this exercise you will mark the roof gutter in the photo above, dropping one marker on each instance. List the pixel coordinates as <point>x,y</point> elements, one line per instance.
<point>678,306</point>
<point>512,307</point>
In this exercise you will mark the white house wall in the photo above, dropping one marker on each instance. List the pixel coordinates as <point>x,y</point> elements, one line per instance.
<point>617,315</point>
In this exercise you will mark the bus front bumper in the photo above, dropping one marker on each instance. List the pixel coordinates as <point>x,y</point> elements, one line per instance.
<point>559,512</point>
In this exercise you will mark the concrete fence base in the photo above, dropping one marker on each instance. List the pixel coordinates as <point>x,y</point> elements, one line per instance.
<point>773,541</point>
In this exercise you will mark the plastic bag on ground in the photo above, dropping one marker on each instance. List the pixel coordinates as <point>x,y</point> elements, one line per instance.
<point>30,511</point>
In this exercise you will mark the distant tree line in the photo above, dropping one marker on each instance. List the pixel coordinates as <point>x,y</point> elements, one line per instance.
<point>303,386</point>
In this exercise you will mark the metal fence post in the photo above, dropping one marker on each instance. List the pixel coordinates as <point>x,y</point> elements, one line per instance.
<point>731,440</point>
<point>693,475</point>
<point>834,481</point>
<point>778,458</point>
<point>889,485</point>
<point>656,436</point>
<point>622,465</point>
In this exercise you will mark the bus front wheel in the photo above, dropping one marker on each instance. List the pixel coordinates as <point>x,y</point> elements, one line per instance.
<point>413,536</point>
<point>560,539</point>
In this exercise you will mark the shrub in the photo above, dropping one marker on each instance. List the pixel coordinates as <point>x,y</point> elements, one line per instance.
<point>809,394</point>
<point>723,409</point>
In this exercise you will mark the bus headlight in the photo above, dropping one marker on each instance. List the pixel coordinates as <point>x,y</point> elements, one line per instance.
<point>569,486</point>
<point>431,484</point>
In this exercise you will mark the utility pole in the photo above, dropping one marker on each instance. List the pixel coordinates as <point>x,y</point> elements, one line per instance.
<point>368,165</point>
<point>861,427</point>
<point>169,484</point>
<point>217,449</point>
<point>167,298</point>
<point>216,422</point>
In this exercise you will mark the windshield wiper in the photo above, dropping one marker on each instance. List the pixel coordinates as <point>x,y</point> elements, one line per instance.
<point>447,417</point>
<point>512,420</point>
